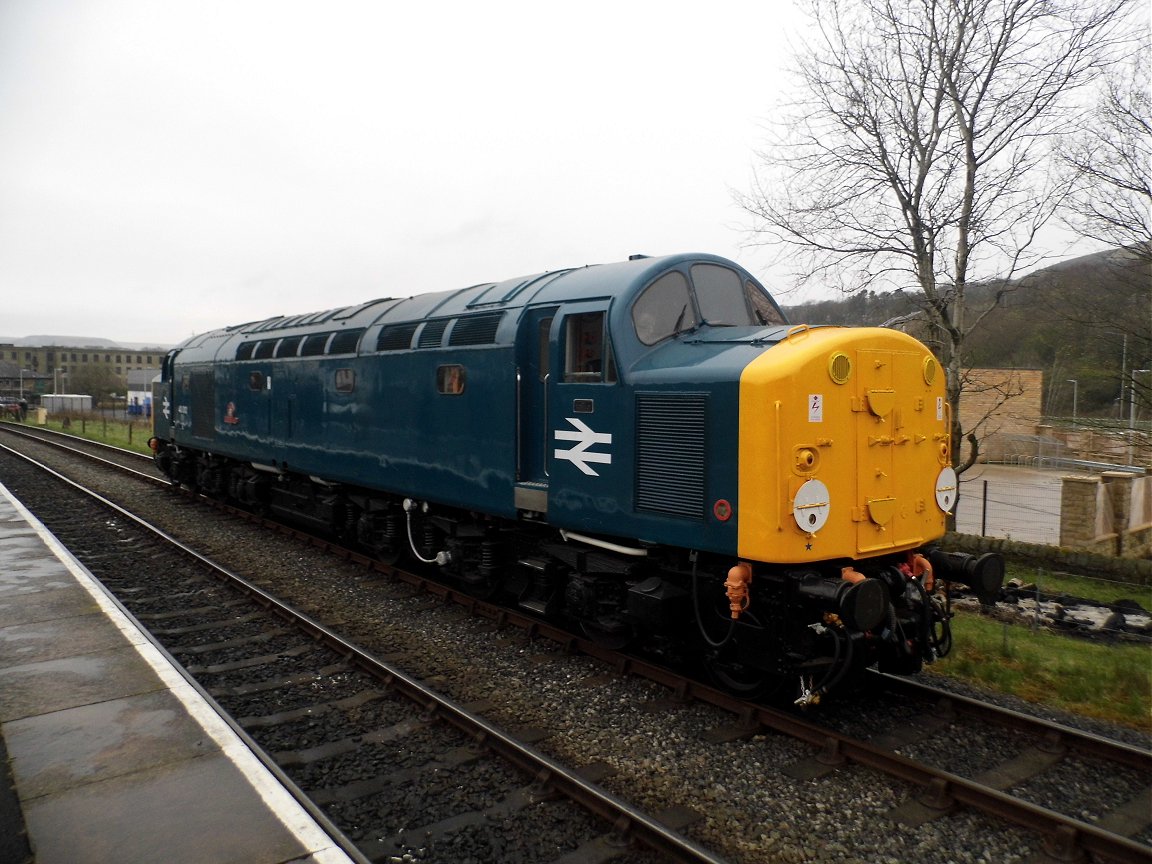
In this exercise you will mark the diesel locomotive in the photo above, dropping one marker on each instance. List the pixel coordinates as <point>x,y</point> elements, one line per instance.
<point>646,448</point>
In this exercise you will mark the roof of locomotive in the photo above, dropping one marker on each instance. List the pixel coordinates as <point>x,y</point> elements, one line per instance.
<point>621,280</point>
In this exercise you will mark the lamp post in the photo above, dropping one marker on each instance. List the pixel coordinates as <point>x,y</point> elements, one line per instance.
<point>1132,396</point>
<point>1075,394</point>
<point>22,371</point>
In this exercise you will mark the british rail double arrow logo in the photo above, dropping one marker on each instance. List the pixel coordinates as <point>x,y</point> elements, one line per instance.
<point>584,437</point>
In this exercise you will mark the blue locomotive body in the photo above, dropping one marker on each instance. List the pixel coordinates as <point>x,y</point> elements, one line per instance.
<point>530,395</point>
<point>644,447</point>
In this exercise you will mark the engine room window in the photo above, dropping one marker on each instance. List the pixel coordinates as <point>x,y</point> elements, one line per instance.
<point>255,380</point>
<point>587,354</point>
<point>345,380</point>
<point>664,309</point>
<point>450,380</point>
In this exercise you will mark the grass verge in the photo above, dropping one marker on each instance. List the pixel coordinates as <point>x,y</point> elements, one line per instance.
<point>1108,681</point>
<point>131,435</point>
<point>1093,588</point>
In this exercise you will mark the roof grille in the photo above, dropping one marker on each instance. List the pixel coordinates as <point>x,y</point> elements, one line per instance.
<point>432,333</point>
<point>345,341</point>
<point>476,329</point>
<point>396,337</point>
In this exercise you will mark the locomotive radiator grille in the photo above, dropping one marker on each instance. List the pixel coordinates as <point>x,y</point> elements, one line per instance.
<point>670,448</point>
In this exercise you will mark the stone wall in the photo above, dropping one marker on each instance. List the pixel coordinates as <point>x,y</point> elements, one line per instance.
<point>1109,514</point>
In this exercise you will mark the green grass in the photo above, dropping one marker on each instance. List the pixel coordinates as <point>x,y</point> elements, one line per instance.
<point>1100,590</point>
<point>1110,681</point>
<point>131,435</point>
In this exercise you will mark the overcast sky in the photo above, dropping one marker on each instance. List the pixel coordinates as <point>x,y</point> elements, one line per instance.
<point>170,167</point>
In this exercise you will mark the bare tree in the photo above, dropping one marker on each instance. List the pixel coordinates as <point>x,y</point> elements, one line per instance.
<point>1109,160</point>
<point>917,152</point>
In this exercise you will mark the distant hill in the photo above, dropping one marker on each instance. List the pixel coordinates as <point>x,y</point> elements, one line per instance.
<point>79,342</point>
<point>1088,319</point>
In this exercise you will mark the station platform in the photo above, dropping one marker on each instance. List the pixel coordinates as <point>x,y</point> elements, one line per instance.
<point>111,755</point>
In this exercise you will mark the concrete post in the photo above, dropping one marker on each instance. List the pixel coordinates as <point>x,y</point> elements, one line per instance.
<point>1078,511</point>
<point>1119,486</point>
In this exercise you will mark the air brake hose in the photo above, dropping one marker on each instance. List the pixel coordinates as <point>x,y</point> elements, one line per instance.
<point>700,621</point>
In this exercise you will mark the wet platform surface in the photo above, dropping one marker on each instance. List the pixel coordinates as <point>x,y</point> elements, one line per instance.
<point>113,756</point>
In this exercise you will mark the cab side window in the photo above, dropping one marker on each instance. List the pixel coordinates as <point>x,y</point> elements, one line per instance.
<point>587,352</point>
<point>664,309</point>
<point>764,308</point>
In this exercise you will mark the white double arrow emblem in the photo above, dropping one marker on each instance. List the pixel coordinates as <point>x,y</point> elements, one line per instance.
<point>585,438</point>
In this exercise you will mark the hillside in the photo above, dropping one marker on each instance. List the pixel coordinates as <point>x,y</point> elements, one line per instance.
<point>96,342</point>
<point>1088,319</point>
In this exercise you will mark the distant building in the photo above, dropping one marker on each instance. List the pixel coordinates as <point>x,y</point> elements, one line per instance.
<point>1003,407</point>
<point>56,363</point>
<point>17,381</point>
<point>140,391</point>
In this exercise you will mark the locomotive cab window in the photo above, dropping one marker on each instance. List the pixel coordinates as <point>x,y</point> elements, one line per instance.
<point>587,351</point>
<point>664,309</point>
<point>727,301</point>
<point>764,308</point>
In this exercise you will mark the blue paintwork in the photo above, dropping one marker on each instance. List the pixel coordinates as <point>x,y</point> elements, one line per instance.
<point>395,432</point>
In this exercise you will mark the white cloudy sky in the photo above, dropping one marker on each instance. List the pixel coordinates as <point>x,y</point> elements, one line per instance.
<point>169,167</point>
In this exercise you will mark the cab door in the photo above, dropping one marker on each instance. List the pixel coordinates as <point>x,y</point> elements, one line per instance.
<point>588,423</point>
<point>533,376</point>
<point>164,398</point>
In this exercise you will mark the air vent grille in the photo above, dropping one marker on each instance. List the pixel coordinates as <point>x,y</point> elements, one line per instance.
<point>475,329</point>
<point>670,448</point>
<point>432,333</point>
<point>396,337</point>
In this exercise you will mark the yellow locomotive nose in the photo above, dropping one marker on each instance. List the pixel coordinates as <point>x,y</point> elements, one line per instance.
<point>844,447</point>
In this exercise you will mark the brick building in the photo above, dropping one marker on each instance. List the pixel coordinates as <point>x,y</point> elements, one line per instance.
<point>1000,404</point>
<point>59,361</point>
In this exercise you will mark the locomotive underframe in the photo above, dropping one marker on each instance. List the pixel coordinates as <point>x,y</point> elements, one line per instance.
<point>811,628</point>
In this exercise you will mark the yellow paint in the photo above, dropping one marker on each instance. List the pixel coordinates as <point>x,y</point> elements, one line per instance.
<point>873,440</point>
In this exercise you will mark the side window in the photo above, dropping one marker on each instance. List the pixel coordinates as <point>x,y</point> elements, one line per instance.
<point>345,380</point>
<point>587,354</point>
<point>764,308</point>
<point>663,309</point>
<point>450,380</point>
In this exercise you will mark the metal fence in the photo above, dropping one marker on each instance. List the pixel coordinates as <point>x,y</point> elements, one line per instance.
<point>1011,501</point>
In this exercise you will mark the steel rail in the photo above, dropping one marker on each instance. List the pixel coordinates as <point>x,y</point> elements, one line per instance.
<point>1077,740</point>
<point>626,819</point>
<point>1057,828</point>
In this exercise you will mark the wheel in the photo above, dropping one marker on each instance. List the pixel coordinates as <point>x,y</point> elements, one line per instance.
<point>739,678</point>
<point>611,634</point>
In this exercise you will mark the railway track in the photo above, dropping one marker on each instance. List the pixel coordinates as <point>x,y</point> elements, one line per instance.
<point>370,747</point>
<point>922,790</point>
